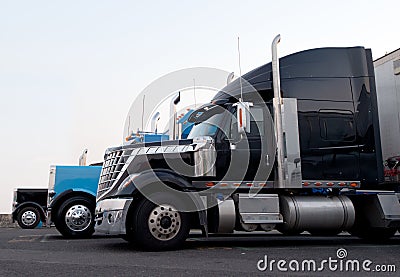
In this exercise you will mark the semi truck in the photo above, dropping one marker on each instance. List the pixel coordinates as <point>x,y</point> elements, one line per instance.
<point>293,145</point>
<point>71,199</point>
<point>29,207</point>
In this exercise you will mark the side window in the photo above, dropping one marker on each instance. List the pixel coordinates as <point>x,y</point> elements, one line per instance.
<point>256,125</point>
<point>337,125</point>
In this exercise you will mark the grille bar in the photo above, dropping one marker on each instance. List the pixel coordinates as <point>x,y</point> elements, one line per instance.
<point>112,166</point>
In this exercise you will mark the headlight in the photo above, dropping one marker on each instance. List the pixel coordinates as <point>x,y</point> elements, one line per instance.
<point>52,193</point>
<point>127,182</point>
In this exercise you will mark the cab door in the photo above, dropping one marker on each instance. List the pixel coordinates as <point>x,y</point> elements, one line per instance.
<point>245,156</point>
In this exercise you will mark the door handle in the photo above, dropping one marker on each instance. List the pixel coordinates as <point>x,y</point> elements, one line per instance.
<point>267,159</point>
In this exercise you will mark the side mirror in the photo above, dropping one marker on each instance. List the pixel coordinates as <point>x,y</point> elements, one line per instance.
<point>243,117</point>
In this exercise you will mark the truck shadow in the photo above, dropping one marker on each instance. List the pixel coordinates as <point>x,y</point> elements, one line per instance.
<point>246,241</point>
<point>271,241</point>
<point>94,237</point>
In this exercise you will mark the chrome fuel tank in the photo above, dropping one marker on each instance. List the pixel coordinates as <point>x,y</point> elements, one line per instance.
<point>316,213</point>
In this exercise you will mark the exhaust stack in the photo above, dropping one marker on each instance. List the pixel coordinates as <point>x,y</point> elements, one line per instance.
<point>278,113</point>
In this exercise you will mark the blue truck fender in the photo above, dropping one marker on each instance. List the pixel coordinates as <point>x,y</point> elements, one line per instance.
<point>62,197</point>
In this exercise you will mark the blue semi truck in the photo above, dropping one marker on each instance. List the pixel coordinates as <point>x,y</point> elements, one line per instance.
<point>71,199</point>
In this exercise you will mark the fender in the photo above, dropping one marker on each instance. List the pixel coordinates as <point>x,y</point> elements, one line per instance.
<point>30,204</point>
<point>130,185</point>
<point>60,198</point>
<point>55,200</point>
<point>147,184</point>
<point>86,191</point>
<point>62,195</point>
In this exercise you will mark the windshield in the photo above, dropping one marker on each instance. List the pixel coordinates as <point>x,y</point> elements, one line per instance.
<point>208,127</point>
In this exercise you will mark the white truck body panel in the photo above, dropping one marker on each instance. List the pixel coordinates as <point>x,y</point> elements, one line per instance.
<point>387,78</point>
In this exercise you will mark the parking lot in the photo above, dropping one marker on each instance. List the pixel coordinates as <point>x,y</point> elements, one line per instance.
<point>44,252</point>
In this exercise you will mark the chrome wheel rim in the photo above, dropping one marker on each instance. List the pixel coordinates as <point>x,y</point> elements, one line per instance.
<point>28,218</point>
<point>164,222</point>
<point>78,218</point>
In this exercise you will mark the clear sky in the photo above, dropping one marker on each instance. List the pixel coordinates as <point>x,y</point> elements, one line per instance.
<point>69,70</point>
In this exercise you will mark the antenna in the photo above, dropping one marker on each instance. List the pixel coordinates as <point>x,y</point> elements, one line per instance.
<point>240,73</point>
<point>129,126</point>
<point>144,96</point>
<point>194,93</point>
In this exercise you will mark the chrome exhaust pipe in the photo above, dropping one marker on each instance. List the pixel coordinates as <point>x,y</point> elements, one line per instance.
<point>277,104</point>
<point>172,119</point>
<point>154,120</point>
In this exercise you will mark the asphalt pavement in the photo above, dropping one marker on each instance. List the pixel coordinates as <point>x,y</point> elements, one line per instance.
<point>44,252</point>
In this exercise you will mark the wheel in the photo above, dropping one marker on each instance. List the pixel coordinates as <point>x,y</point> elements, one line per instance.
<point>75,218</point>
<point>158,227</point>
<point>28,218</point>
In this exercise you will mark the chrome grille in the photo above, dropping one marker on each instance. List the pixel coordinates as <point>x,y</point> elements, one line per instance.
<point>115,159</point>
<point>112,166</point>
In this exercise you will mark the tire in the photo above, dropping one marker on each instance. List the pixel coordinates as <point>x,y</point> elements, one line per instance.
<point>75,217</point>
<point>28,218</point>
<point>158,227</point>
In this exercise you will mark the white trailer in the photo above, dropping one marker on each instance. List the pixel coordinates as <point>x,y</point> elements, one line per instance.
<point>387,79</point>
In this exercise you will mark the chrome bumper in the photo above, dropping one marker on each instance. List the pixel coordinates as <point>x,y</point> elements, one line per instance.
<point>111,216</point>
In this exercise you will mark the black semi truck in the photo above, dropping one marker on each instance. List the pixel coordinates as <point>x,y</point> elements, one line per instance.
<point>293,145</point>
<point>29,207</point>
